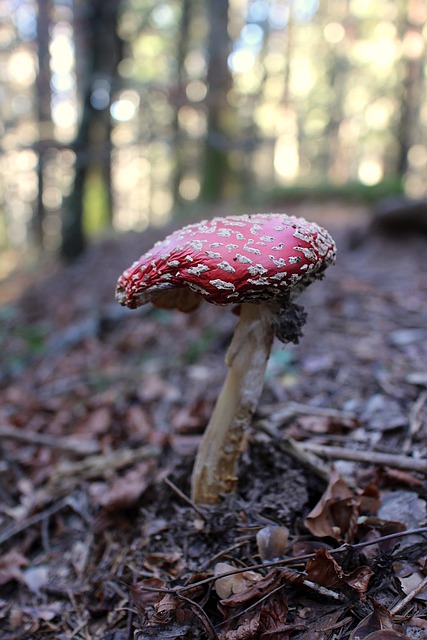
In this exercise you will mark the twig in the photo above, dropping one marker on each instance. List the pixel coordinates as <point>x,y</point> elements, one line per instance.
<point>297,559</point>
<point>284,562</point>
<point>370,457</point>
<point>221,554</point>
<point>415,591</point>
<point>102,465</point>
<point>15,529</point>
<point>72,445</point>
<point>201,614</point>
<point>307,583</point>
<point>296,408</point>
<point>186,499</point>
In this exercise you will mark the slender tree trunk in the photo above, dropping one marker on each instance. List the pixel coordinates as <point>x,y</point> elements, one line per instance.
<point>219,80</point>
<point>182,50</point>
<point>43,93</point>
<point>411,94</point>
<point>96,24</point>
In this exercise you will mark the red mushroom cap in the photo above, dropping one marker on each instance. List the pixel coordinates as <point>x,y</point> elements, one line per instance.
<point>250,258</point>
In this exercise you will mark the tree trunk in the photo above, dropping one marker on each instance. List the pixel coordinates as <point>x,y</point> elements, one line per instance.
<point>96,26</point>
<point>43,93</point>
<point>411,96</point>
<point>182,50</point>
<point>219,81</point>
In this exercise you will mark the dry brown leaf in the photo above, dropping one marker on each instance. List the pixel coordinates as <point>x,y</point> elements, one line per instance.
<point>10,566</point>
<point>370,499</point>
<point>373,528</point>
<point>325,571</point>
<point>267,621</point>
<point>142,595</point>
<point>379,620</point>
<point>319,627</point>
<point>272,581</point>
<point>234,583</point>
<point>411,582</point>
<point>126,490</point>
<point>336,513</point>
<point>387,634</point>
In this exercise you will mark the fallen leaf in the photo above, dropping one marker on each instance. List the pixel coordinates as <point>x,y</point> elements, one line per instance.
<point>234,583</point>
<point>336,513</point>
<point>144,593</point>
<point>272,581</point>
<point>325,571</point>
<point>266,621</point>
<point>10,566</point>
<point>387,634</point>
<point>125,491</point>
<point>411,582</point>
<point>379,620</point>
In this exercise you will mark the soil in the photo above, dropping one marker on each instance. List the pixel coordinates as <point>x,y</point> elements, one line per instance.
<point>101,411</point>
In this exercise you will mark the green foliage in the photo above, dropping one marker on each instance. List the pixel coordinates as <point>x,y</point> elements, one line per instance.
<point>351,192</point>
<point>23,341</point>
<point>96,214</point>
<point>198,347</point>
<point>33,337</point>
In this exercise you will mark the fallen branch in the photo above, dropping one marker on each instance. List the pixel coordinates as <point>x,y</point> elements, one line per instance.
<point>369,457</point>
<point>14,529</point>
<point>76,446</point>
<point>291,409</point>
<point>100,466</point>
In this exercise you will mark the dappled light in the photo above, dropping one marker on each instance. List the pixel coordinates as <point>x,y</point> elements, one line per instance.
<point>213,319</point>
<point>297,92</point>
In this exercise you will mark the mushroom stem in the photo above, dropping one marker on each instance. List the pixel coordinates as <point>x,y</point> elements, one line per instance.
<point>215,466</point>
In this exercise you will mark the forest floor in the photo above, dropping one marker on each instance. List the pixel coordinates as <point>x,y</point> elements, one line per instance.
<point>101,411</point>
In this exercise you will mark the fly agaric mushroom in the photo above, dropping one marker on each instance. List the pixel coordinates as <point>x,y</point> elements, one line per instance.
<point>259,261</point>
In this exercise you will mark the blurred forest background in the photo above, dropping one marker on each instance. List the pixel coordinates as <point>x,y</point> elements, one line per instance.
<point>120,114</point>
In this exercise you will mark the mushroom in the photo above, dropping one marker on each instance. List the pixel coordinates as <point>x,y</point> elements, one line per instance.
<point>258,261</point>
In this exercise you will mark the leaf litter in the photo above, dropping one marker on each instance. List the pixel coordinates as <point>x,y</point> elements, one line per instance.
<point>101,411</point>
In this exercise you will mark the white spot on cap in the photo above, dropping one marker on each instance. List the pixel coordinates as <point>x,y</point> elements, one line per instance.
<point>259,282</point>
<point>221,284</point>
<point>213,254</point>
<point>226,266</point>
<point>252,249</point>
<point>279,276</point>
<point>257,269</point>
<point>308,253</point>
<point>197,245</point>
<point>198,269</point>
<point>279,262</point>
<point>243,259</point>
